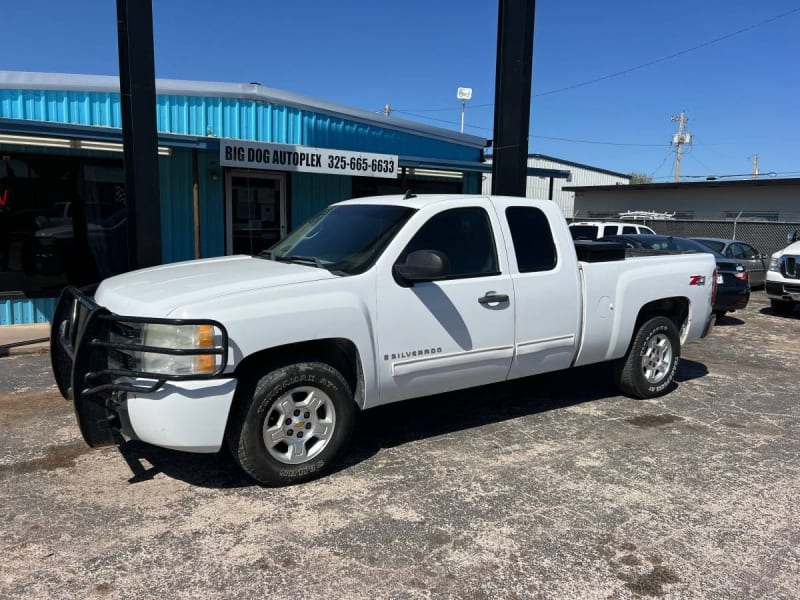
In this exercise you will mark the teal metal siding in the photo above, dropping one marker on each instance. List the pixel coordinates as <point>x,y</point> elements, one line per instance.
<point>212,205</point>
<point>16,311</point>
<point>472,183</point>
<point>312,192</point>
<point>230,117</point>
<point>177,210</point>
<point>177,206</point>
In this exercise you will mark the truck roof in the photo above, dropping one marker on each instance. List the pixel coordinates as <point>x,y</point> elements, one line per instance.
<point>423,200</point>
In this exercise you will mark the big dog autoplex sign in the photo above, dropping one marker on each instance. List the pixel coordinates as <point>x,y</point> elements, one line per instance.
<point>287,157</point>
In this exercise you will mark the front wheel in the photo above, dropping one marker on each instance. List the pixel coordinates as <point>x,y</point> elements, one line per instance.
<point>647,370</point>
<point>290,424</point>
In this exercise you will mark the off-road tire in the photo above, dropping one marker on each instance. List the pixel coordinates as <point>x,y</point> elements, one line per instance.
<point>253,405</point>
<point>629,371</point>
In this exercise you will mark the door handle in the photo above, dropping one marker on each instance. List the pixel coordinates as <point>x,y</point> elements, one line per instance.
<point>493,298</point>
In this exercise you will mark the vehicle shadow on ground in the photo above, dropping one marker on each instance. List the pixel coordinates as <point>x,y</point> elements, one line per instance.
<point>690,369</point>
<point>769,311</point>
<point>404,422</point>
<point>727,321</point>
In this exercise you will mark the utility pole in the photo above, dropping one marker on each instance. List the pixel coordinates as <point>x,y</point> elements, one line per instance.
<point>512,96</point>
<point>679,139</point>
<point>755,166</point>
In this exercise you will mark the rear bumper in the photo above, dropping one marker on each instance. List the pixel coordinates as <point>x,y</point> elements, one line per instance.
<point>732,301</point>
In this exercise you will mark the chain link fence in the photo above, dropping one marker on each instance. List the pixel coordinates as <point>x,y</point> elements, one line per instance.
<point>765,236</point>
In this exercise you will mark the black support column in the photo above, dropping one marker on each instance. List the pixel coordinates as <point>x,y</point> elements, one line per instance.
<point>512,96</point>
<point>139,137</point>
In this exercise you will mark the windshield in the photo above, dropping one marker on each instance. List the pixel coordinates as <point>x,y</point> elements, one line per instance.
<point>347,239</point>
<point>713,244</point>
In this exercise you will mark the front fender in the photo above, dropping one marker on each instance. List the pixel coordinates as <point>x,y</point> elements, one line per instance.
<point>259,320</point>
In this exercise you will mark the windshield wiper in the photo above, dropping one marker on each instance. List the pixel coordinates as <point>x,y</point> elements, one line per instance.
<point>301,259</point>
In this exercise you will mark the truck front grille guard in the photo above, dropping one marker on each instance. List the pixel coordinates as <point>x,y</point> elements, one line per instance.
<point>89,366</point>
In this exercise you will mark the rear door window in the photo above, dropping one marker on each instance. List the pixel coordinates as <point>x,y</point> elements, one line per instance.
<point>533,241</point>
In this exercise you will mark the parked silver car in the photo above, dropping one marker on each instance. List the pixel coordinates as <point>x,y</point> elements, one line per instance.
<point>751,259</point>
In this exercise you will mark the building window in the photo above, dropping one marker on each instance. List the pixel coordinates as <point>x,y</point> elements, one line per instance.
<point>377,186</point>
<point>62,222</point>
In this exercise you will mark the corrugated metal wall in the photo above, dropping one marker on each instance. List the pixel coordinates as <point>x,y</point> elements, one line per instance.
<point>177,206</point>
<point>229,117</point>
<point>539,187</point>
<point>15,311</point>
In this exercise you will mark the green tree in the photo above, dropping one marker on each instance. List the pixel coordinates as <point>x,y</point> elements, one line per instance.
<point>641,178</point>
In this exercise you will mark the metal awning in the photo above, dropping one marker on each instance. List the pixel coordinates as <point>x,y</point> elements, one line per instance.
<point>442,164</point>
<point>91,133</point>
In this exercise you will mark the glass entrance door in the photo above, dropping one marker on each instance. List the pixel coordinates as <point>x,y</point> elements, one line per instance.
<point>256,207</point>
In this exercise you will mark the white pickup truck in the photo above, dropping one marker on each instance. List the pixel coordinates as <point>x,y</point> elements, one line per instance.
<point>783,277</point>
<point>375,300</point>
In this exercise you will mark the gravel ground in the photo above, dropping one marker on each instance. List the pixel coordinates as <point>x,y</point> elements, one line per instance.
<point>548,487</point>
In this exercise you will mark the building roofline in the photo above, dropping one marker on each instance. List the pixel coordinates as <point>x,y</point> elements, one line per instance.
<point>572,163</point>
<point>686,184</point>
<point>23,80</point>
<point>579,165</point>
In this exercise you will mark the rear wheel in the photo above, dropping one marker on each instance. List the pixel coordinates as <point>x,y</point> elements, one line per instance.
<point>782,307</point>
<point>648,369</point>
<point>291,423</point>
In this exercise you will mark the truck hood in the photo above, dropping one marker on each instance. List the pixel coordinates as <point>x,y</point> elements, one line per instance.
<point>158,291</point>
<point>790,249</point>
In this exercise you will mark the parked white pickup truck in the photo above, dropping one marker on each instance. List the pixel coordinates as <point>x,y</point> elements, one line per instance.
<point>373,301</point>
<point>783,277</point>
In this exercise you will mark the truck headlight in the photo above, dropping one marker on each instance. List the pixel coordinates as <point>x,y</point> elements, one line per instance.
<point>773,264</point>
<point>180,338</point>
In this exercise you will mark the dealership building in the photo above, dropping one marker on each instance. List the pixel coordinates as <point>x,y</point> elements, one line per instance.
<point>239,165</point>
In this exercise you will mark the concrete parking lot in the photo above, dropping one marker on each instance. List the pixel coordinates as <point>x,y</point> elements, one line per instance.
<point>549,487</point>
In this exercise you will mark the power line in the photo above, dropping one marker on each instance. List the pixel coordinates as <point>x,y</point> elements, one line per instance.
<point>578,141</point>
<point>673,55</point>
<point>541,137</point>
<point>642,65</point>
<point>700,162</point>
<point>661,164</point>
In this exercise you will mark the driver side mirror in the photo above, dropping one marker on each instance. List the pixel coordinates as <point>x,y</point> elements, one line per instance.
<point>422,265</point>
<point>791,238</point>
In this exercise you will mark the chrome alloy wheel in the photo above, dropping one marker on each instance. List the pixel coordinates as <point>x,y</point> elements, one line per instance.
<point>657,358</point>
<point>299,425</point>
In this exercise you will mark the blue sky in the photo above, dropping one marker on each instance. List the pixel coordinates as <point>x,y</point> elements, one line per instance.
<point>740,94</point>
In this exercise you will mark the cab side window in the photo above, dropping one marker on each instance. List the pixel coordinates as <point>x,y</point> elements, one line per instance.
<point>609,230</point>
<point>628,229</point>
<point>533,241</point>
<point>464,235</point>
